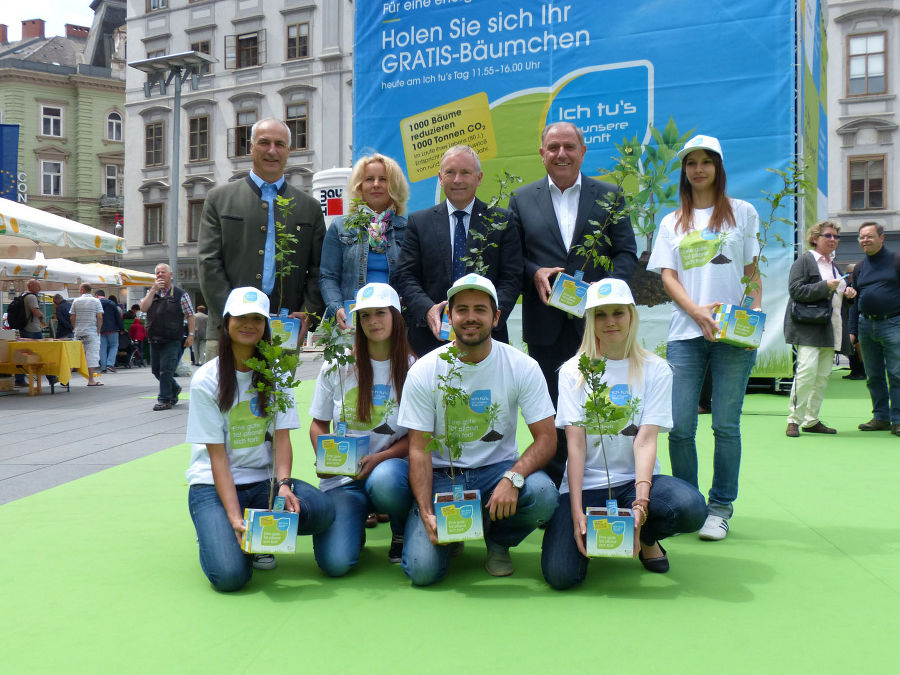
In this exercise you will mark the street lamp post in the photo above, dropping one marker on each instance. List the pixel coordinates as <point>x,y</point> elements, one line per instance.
<point>166,70</point>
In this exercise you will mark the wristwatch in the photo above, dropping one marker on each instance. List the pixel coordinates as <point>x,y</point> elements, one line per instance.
<point>516,479</point>
<point>286,481</point>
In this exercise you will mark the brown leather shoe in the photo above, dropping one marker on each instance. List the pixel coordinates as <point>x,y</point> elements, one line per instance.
<point>895,429</point>
<point>793,430</point>
<point>819,428</point>
<point>874,425</point>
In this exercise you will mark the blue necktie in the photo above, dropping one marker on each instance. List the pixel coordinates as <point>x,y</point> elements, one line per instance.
<point>459,246</point>
<point>268,278</point>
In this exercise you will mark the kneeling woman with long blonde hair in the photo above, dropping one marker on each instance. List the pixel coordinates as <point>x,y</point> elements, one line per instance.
<point>662,505</point>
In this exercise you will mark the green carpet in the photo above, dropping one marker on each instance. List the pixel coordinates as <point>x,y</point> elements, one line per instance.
<point>101,574</point>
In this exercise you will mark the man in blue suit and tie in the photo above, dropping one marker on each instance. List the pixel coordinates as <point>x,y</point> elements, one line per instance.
<point>436,240</point>
<point>552,216</point>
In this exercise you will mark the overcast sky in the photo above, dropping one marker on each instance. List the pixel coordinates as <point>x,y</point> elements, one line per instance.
<point>55,13</point>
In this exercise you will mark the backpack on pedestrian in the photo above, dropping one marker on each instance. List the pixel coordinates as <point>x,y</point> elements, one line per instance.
<point>16,313</point>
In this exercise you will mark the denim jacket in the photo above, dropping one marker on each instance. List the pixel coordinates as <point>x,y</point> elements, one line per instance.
<point>344,261</point>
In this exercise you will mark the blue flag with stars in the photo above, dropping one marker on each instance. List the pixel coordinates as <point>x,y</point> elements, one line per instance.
<point>9,160</point>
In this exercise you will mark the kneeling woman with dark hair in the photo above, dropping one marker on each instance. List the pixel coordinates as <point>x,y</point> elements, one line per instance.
<point>234,458</point>
<point>369,393</point>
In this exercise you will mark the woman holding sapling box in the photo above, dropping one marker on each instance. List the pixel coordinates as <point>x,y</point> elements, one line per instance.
<point>707,252</point>
<point>364,245</point>
<point>367,392</point>
<point>619,462</point>
<point>237,460</point>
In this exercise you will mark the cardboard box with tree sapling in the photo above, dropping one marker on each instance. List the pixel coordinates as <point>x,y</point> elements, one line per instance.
<point>569,293</point>
<point>740,326</point>
<point>610,532</point>
<point>340,454</point>
<point>270,531</point>
<point>287,328</point>
<point>458,515</point>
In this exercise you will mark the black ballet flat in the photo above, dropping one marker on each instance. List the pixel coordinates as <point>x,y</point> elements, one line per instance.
<point>659,565</point>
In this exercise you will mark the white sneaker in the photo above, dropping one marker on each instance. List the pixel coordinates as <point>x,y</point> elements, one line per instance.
<point>714,529</point>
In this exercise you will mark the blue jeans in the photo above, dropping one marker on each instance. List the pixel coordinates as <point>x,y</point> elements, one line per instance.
<point>337,548</point>
<point>223,562</point>
<point>675,506</point>
<point>730,368</point>
<point>880,344</point>
<point>426,563</point>
<point>109,347</point>
<point>163,360</point>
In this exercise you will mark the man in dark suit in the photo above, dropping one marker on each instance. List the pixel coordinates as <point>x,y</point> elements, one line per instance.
<point>437,237</point>
<point>552,216</point>
<point>236,243</point>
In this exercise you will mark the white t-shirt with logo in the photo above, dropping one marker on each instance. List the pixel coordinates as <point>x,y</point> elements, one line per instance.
<point>506,381</point>
<point>382,427</point>
<point>654,394</point>
<point>242,429</point>
<point>709,264</point>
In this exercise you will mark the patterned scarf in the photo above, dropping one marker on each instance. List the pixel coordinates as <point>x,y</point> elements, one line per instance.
<point>378,227</point>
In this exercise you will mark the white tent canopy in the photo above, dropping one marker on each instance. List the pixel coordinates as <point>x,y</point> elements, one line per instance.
<point>54,235</point>
<point>57,270</point>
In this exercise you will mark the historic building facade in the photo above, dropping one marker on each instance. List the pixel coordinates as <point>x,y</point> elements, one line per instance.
<point>289,59</point>
<point>863,169</point>
<point>67,94</point>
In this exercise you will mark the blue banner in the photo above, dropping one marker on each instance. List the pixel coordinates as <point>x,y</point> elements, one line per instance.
<point>492,73</point>
<point>9,160</point>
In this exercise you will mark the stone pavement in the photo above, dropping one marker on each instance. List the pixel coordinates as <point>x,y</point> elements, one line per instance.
<point>49,440</point>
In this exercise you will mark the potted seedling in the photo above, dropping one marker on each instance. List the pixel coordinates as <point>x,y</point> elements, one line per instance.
<point>339,453</point>
<point>644,175</point>
<point>272,530</point>
<point>458,513</point>
<point>738,324</point>
<point>610,530</point>
<point>280,324</point>
<point>650,186</point>
<point>569,292</point>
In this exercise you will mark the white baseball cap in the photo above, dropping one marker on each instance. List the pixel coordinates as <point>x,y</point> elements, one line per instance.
<point>376,295</point>
<point>246,300</point>
<point>702,143</point>
<point>608,292</point>
<point>473,282</point>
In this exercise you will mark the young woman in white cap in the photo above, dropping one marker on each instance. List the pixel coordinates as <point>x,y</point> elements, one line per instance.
<point>662,505</point>
<point>370,397</point>
<point>703,251</point>
<point>234,457</point>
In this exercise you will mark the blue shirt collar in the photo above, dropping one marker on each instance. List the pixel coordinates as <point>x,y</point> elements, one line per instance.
<point>259,181</point>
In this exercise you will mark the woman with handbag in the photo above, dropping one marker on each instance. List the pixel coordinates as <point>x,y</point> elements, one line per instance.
<point>812,323</point>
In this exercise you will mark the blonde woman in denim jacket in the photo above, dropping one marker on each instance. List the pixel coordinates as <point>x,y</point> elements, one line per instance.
<point>353,256</point>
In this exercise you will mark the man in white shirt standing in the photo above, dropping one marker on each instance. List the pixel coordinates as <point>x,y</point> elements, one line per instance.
<point>86,313</point>
<point>516,496</point>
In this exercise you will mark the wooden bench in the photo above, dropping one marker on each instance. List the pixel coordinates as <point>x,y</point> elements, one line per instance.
<point>32,371</point>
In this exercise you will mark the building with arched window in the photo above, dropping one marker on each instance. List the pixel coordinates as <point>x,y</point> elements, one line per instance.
<point>863,116</point>
<point>67,95</point>
<point>290,59</point>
